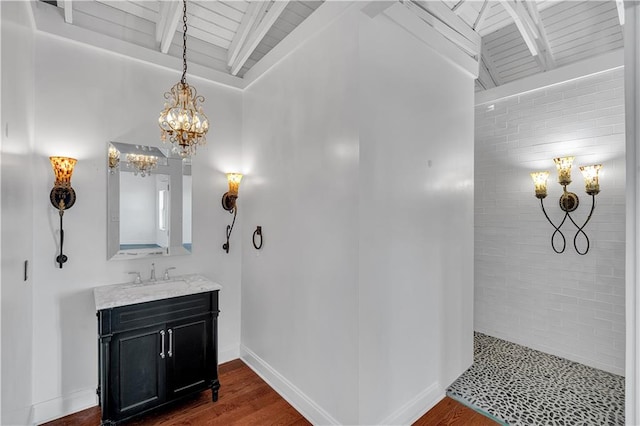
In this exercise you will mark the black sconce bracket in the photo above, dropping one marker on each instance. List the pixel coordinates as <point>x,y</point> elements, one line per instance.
<point>229,204</point>
<point>569,203</point>
<point>62,198</point>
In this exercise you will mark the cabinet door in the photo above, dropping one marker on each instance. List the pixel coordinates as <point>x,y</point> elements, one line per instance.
<point>187,362</point>
<point>138,370</point>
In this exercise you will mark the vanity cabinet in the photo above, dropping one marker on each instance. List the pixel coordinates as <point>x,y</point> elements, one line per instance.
<point>154,353</point>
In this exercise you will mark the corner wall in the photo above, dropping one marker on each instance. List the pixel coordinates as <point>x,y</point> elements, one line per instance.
<point>564,304</point>
<point>358,308</point>
<point>416,223</point>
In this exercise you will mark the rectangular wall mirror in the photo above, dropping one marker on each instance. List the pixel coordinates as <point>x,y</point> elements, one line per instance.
<point>148,202</point>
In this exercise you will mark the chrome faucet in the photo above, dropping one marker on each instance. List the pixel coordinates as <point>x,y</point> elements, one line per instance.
<point>153,273</point>
<point>166,273</point>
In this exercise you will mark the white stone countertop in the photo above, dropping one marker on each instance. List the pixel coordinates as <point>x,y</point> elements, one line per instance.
<point>111,296</point>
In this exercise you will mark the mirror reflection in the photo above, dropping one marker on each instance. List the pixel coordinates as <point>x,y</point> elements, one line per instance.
<point>148,202</point>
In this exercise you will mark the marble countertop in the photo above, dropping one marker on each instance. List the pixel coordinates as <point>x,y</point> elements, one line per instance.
<point>111,296</point>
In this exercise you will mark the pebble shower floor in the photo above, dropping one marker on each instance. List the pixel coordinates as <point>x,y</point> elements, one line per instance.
<point>522,386</point>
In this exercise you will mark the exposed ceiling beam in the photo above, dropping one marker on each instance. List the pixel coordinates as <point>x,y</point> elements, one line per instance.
<point>457,5</point>
<point>277,7</point>
<point>620,6</point>
<point>68,11</point>
<point>161,20</point>
<point>543,42</point>
<point>247,23</point>
<point>408,20</point>
<point>465,44</point>
<point>524,29</point>
<point>168,30</point>
<point>442,11</point>
<point>481,16</point>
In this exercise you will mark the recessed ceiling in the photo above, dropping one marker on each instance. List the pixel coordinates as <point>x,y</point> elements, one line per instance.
<point>506,39</point>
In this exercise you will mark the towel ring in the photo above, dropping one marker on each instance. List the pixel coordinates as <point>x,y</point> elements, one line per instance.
<point>257,232</point>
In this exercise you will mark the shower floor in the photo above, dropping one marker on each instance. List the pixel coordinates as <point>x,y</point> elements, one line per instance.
<point>522,386</point>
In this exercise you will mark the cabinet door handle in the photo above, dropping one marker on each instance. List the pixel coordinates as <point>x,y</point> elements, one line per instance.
<point>170,353</point>
<point>162,337</point>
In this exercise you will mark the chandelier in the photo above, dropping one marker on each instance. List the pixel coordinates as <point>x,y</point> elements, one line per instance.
<point>182,121</point>
<point>142,164</point>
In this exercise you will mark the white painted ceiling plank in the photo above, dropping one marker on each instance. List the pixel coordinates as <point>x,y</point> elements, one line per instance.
<point>131,8</point>
<point>68,11</point>
<point>169,30</point>
<point>451,19</point>
<point>522,27</point>
<point>462,42</point>
<point>256,36</point>
<point>490,65</point>
<point>620,6</point>
<point>248,20</point>
<point>206,36</point>
<point>484,77</point>
<point>401,15</point>
<point>51,23</point>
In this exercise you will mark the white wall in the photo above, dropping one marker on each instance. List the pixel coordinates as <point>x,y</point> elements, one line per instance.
<point>359,305</point>
<point>17,211</point>
<point>415,221</point>
<point>299,293</point>
<point>564,304</point>
<point>84,99</point>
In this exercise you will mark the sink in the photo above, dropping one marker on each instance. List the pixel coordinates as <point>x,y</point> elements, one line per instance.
<point>112,296</point>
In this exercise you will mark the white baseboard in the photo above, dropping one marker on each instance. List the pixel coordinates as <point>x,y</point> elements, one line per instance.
<point>416,407</point>
<point>63,406</point>
<point>294,396</point>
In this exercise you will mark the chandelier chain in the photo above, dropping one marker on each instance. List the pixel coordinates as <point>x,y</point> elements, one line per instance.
<point>184,42</point>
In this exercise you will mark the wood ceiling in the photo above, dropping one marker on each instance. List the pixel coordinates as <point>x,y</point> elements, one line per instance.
<point>498,40</point>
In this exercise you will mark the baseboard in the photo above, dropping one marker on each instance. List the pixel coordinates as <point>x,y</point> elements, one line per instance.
<point>416,407</point>
<point>294,396</point>
<point>228,353</point>
<point>63,406</point>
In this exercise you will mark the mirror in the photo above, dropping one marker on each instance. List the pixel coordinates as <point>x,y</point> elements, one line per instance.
<point>148,202</point>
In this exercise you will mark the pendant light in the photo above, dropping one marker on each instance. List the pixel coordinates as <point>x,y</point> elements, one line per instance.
<point>182,121</point>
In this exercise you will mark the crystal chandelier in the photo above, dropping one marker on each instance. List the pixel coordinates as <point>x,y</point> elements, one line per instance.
<point>142,164</point>
<point>182,121</point>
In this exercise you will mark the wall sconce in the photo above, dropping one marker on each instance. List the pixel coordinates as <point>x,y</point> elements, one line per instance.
<point>568,200</point>
<point>62,195</point>
<point>229,202</point>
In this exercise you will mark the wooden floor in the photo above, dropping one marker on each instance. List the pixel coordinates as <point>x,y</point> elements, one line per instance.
<point>245,399</point>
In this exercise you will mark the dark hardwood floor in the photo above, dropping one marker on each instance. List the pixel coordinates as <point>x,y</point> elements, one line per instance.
<point>245,399</point>
<point>451,412</point>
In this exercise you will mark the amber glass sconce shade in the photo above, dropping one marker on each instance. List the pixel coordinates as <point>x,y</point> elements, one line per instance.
<point>568,201</point>
<point>62,195</point>
<point>229,203</point>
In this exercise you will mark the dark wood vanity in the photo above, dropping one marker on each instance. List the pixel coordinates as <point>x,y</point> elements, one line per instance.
<point>157,352</point>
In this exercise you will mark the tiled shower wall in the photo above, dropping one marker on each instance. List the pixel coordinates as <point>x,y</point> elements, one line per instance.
<point>564,304</point>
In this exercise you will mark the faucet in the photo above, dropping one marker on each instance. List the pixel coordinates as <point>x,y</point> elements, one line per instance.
<point>138,279</point>
<point>153,273</point>
<point>166,273</point>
